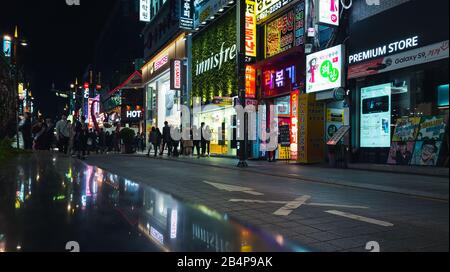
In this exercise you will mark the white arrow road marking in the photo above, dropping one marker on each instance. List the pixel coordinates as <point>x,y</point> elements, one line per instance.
<point>233,188</point>
<point>292,205</point>
<point>361,218</point>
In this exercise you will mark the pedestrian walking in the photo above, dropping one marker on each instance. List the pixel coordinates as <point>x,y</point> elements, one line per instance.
<point>39,134</point>
<point>196,140</point>
<point>154,140</point>
<point>166,140</point>
<point>81,137</point>
<point>25,128</point>
<point>63,134</point>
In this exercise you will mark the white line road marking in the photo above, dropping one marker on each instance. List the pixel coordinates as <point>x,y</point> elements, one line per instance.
<point>292,205</point>
<point>336,205</point>
<point>361,218</point>
<point>306,204</point>
<point>233,188</point>
<point>259,201</point>
<point>294,175</point>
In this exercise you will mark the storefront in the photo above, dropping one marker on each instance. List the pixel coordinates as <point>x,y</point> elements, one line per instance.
<point>281,73</point>
<point>124,106</point>
<point>399,82</point>
<point>214,82</point>
<point>162,99</point>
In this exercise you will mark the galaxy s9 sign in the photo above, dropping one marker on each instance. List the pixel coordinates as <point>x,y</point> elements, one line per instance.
<point>376,116</point>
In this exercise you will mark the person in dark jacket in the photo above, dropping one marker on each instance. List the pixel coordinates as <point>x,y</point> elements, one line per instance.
<point>155,140</point>
<point>167,139</point>
<point>25,128</point>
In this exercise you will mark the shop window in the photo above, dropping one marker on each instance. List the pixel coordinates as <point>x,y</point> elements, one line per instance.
<point>387,100</point>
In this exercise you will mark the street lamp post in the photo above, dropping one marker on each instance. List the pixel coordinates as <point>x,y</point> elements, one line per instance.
<point>241,8</point>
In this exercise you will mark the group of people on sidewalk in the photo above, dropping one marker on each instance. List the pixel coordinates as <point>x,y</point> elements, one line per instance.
<point>199,141</point>
<point>72,139</point>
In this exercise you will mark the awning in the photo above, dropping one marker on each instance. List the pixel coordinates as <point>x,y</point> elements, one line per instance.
<point>133,82</point>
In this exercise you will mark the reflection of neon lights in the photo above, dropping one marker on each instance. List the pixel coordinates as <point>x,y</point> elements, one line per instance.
<point>157,235</point>
<point>210,212</point>
<point>131,186</point>
<point>83,200</point>
<point>173,224</point>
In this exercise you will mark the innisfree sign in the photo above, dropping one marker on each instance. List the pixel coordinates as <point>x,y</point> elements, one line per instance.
<point>216,60</point>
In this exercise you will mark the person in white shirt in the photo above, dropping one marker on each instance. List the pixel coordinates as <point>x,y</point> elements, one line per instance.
<point>63,134</point>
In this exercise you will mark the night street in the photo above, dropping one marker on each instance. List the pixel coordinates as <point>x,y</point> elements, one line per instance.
<point>225,135</point>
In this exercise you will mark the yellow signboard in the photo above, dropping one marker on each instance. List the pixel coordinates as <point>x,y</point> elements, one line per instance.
<point>250,28</point>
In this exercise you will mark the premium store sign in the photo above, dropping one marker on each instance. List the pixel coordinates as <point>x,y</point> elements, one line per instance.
<point>265,8</point>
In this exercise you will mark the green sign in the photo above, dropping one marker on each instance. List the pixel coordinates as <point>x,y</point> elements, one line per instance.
<point>214,58</point>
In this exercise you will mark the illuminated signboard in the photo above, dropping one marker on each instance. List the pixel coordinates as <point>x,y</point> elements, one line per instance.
<point>173,224</point>
<point>276,80</point>
<point>265,8</point>
<point>250,29</point>
<point>286,31</point>
<point>294,125</point>
<point>176,74</point>
<point>328,12</point>
<point>187,14</point>
<point>375,126</point>
<point>324,69</point>
<point>157,235</point>
<point>250,82</point>
<point>7,47</point>
<point>160,63</point>
<point>144,11</point>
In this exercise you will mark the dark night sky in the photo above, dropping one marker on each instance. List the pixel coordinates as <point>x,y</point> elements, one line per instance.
<point>62,40</point>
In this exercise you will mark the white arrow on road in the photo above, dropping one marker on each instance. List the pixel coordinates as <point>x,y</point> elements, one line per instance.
<point>233,188</point>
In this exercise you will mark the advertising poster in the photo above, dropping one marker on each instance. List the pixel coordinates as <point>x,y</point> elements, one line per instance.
<point>426,153</point>
<point>406,129</point>
<point>286,31</point>
<point>335,120</point>
<point>431,128</point>
<point>375,127</point>
<point>401,153</point>
<point>324,69</point>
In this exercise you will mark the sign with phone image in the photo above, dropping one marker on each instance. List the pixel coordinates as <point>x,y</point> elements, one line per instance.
<point>375,127</point>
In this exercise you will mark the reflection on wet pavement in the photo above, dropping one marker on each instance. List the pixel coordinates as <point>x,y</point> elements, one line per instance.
<point>47,201</point>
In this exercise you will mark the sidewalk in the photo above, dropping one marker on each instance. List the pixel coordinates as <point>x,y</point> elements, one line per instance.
<point>408,184</point>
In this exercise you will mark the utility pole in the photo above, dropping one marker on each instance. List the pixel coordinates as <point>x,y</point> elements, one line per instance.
<point>242,150</point>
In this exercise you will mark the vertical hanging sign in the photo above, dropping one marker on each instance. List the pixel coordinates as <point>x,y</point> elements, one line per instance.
<point>144,11</point>
<point>187,14</point>
<point>176,77</point>
<point>250,29</point>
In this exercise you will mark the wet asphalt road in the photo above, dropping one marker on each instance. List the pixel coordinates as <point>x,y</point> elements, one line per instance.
<point>48,201</point>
